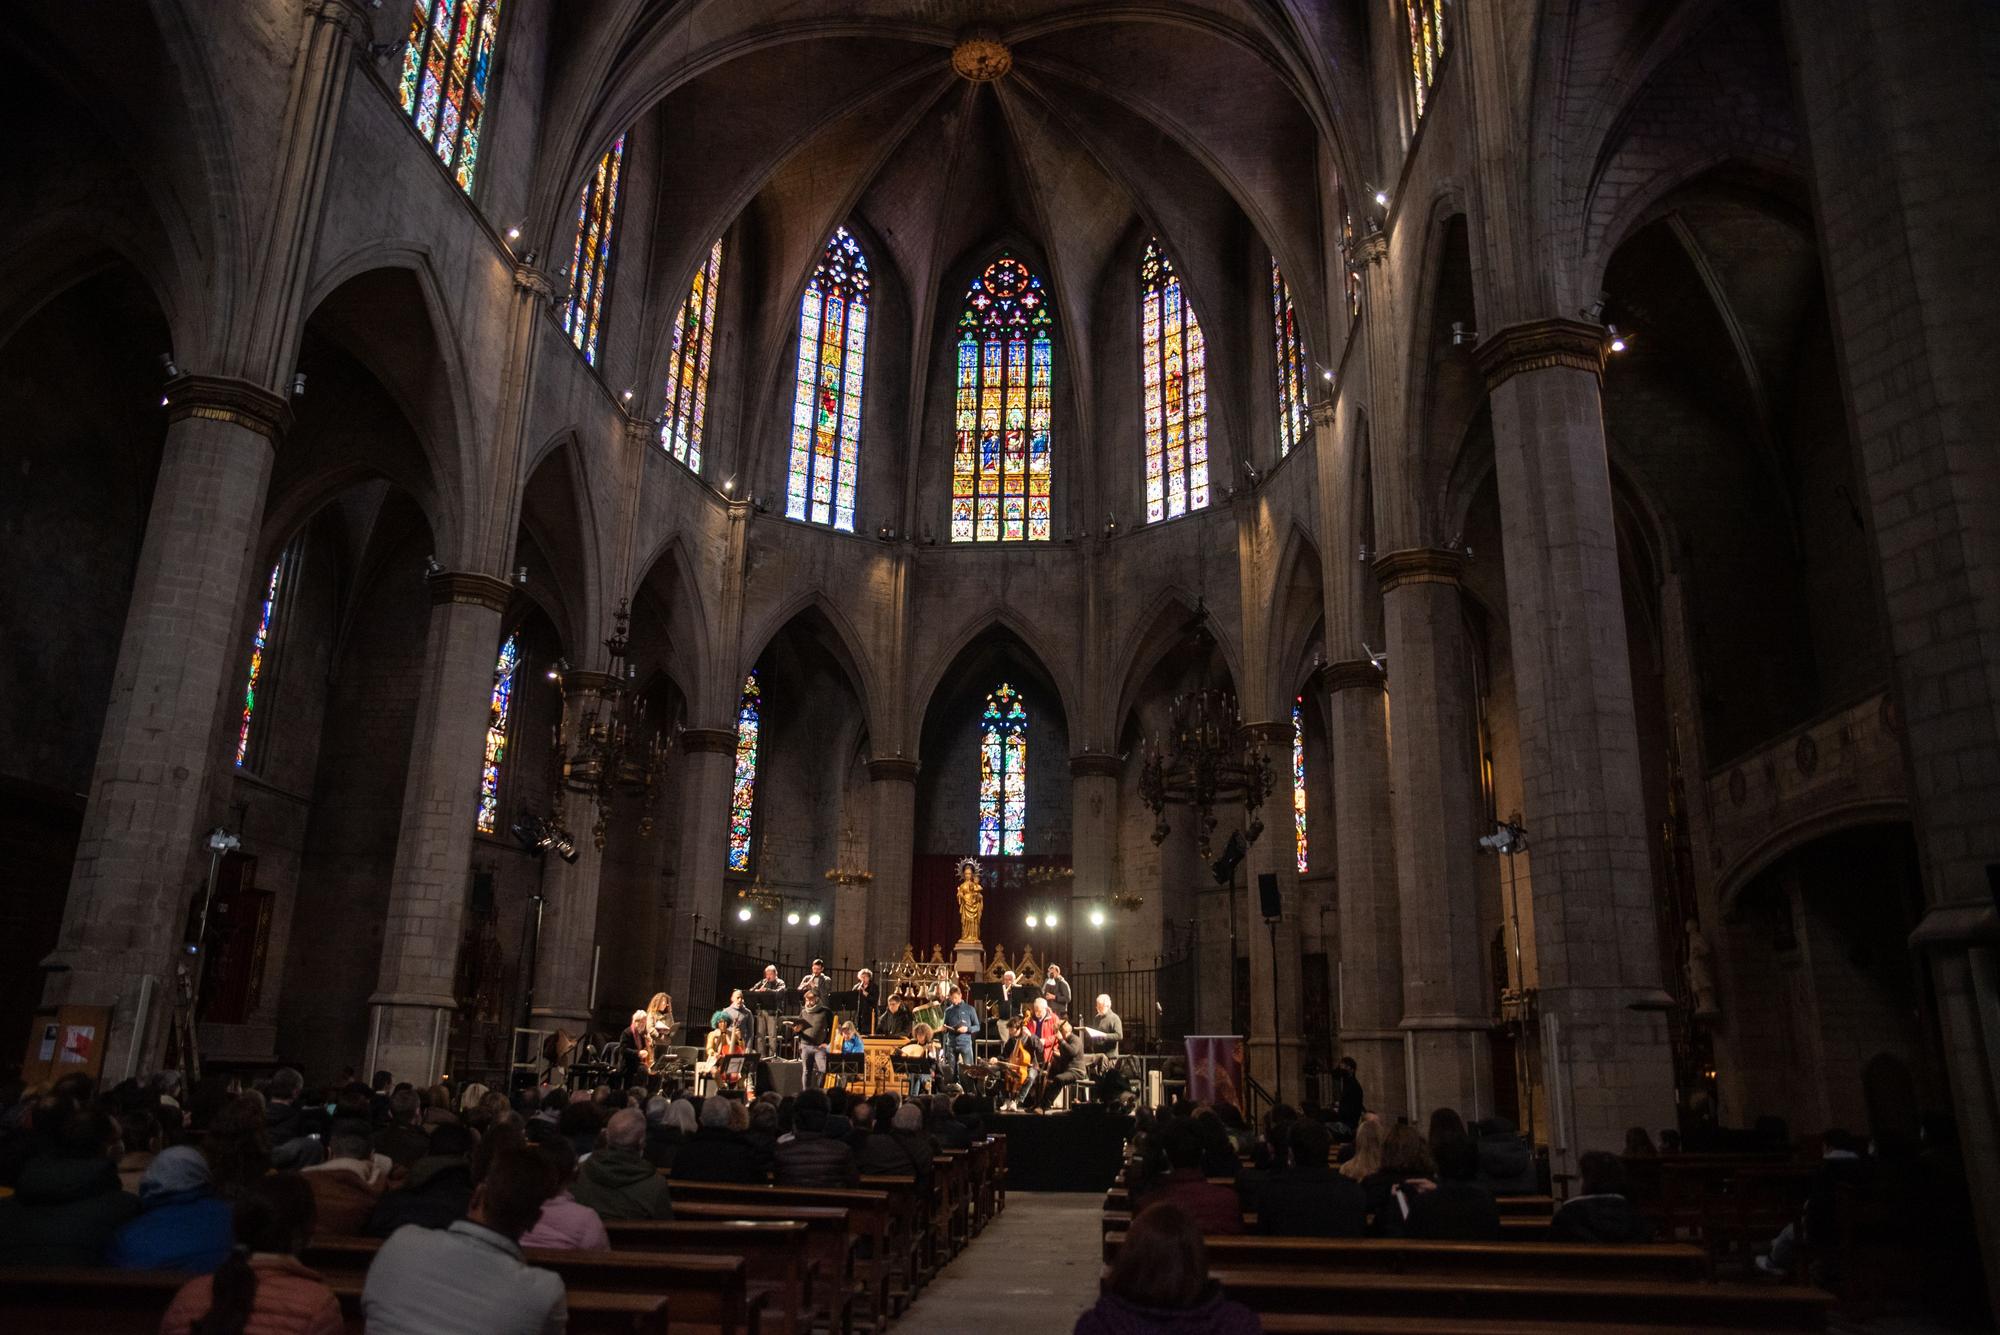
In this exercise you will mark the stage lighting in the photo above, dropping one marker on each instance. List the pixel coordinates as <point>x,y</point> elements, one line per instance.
<point>792,919</point>
<point>743,914</point>
<point>1033,921</point>
<point>812,920</point>
<point>1097,917</point>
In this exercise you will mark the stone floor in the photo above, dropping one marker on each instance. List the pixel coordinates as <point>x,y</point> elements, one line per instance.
<point>1034,1269</point>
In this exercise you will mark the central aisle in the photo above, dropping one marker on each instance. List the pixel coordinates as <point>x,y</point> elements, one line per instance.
<point>1035,1268</point>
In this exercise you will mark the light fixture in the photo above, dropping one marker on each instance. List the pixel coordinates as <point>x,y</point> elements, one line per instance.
<point>792,918</point>
<point>729,485</point>
<point>1326,374</point>
<point>1382,198</point>
<point>1460,335</point>
<point>540,834</point>
<point>168,365</point>
<point>1594,312</point>
<point>812,920</point>
<point>628,396</point>
<point>521,576</point>
<point>849,866</point>
<point>1033,921</point>
<point>1208,756</point>
<point>1380,661</point>
<point>513,234</point>
<point>431,566</point>
<point>1097,917</point>
<point>1617,339</point>
<point>743,914</point>
<point>1049,918</point>
<point>298,384</point>
<point>615,753</point>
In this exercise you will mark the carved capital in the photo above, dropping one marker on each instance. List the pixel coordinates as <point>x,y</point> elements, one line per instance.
<point>463,586</point>
<point>350,17</point>
<point>642,431</point>
<point>708,741</point>
<point>1419,565</point>
<point>892,769</point>
<point>588,683</point>
<point>536,282</point>
<point>1095,765</point>
<point>1538,345</point>
<point>1351,674</point>
<point>1322,411</point>
<point>219,398</point>
<point>1370,248</point>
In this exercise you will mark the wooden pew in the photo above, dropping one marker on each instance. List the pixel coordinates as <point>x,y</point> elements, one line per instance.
<point>908,1217</point>
<point>775,1252</point>
<point>85,1300</point>
<point>1538,1207</point>
<point>1552,1301</point>
<point>982,1183</point>
<point>999,1143</point>
<point>1513,1228</point>
<point>871,1213</point>
<point>832,1241</point>
<point>1659,1262</point>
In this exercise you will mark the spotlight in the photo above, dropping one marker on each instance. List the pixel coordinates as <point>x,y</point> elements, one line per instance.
<point>1097,917</point>
<point>431,566</point>
<point>729,485</point>
<point>1380,661</point>
<point>1617,339</point>
<point>1049,918</point>
<point>168,365</point>
<point>521,576</point>
<point>1326,374</point>
<point>513,234</point>
<point>1460,335</point>
<point>743,914</point>
<point>1507,837</point>
<point>1365,556</point>
<point>1033,921</point>
<point>1382,198</point>
<point>792,918</point>
<point>298,384</point>
<point>1594,312</point>
<point>812,920</point>
<point>628,396</point>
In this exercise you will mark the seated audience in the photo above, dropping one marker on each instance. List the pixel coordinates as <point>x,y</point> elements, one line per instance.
<point>895,1146</point>
<point>946,1130</point>
<point>182,1224</point>
<point>1218,1151</point>
<point>261,1289</point>
<point>285,1122</point>
<point>1454,1208</point>
<point>403,1140</point>
<point>67,1201</point>
<point>1506,1159</point>
<point>348,1185</point>
<point>237,1146</point>
<point>1405,1158</point>
<point>437,1190</point>
<point>1367,1156</point>
<point>140,1133</point>
<point>1603,1211</point>
<point>1843,1164</point>
<point>617,1181</point>
<point>809,1157</point>
<point>470,1276</point>
<point>1638,1144</point>
<point>1310,1200</point>
<point>1160,1282</point>
<point>717,1152</point>
<point>1214,1207</point>
<point>580,1123</point>
<point>565,1223</point>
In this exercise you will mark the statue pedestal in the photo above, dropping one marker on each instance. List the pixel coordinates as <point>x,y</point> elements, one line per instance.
<point>968,957</point>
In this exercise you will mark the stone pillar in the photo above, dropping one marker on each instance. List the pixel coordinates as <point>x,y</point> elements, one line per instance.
<point>139,859</point>
<point>1093,794</point>
<point>409,1023</point>
<point>1597,957</point>
<point>1433,768</point>
<point>709,759</point>
<point>892,844</point>
<point>565,955</point>
<point>1272,1046</point>
<point>1369,997</point>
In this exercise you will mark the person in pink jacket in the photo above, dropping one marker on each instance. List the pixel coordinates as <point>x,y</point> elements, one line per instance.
<point>565,1222</point>
<point>261,1289</point>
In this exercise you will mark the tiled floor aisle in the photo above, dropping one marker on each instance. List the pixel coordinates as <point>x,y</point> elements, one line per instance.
<point>1034,1269</point>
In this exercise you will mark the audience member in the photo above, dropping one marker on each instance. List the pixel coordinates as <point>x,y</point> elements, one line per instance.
<point>717,1152</point>
<point>285,1124</point>
<point>261,1289</point>
<point>182,1224</point>
<point>617,1181</point>
<point>1348,1103</point>
<point>470,1276</point>
<point>1218,1151</point>
<point>1214,1207</point>
<point>895,1146</point>
<point>67,1202</point>
<point>403,1140</point>
<point>809,1157</point>
<point>1405,1158</point>
<point>139,1132</point>
<point>1367,1157</point>
<point>565,1223</point>
<point>347,1187</point>
<point>1506,1159</point>
<point>1454,1208</point>
<point>437,1190</point>
<point>237,1146</point>
<point>1638,1144</point>
<point>1160,1282</point>
<point>1603,1211</point>
<point>1309,1199</point>
<point>579,1123</point>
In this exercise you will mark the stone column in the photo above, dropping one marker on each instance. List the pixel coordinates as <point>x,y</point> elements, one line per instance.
<point>1093,795</point>
<point>709,759</point>
<point>892,844</point>
<point>409,1023</point>
<point>139,859</point>
<point>1433,768</point>
<point>565,954</point>
<point>1597,956</point>
<point>1369,996</point>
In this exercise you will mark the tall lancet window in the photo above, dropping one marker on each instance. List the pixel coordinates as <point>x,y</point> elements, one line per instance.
<point>687,365</point>
<point>590,256</point>
<point>1426,47</point>
<point>1299,780</point>
<point>499,713</point>
<point>260,648</point>
<point>1000,461</point>
<point>743,793</point>
<point>446,66</point>
<point>826,409</point>
<point>1003,775</point>
<point>1291,350</point>
<point>1174,381</point>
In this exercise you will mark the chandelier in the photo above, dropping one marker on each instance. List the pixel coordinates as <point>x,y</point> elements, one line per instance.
<point>614,755</point>
<point>1208,757</point>
<point>758,895</point>
<point>849,868</point>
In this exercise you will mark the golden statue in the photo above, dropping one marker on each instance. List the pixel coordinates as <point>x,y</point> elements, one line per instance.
<point>971,902</point>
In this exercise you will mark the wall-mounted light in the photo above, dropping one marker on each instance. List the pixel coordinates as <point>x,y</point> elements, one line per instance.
<point>521,576</point>
<point>1382,199</point>
<point>513,234</point>
<point>431,566</point>
<point>168,365</point>
<point>743,914</point>
<point>1618,340</point>
<point>1460,335</point>
<point>298,384</point>
<point>1097,917</point>
<point>792,918</point>
<point>813,920</point>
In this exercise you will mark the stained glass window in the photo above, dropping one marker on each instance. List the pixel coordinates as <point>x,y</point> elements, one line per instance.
<point>496,734</point>
<point>1174,378</point>
<point>1299,779</point>
<point>259,644</point>
<point>1000,463</point>
<point>1291,349</point>
<point>446,66</point>
<point>590,257</point>
<point>687,364</point>
<point>743,794</point>
<point>826,410</point>
<point>1003,775</point>
<point>1426,46</point>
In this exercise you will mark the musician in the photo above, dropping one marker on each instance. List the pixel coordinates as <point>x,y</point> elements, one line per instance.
<point>864,1005</point>
<point>850,1040</point>
<point>817,979</point>
<point>1016,996</point>
<point>660,1026</point>
<point>634,1048</point>
<point>767,1021</point>
<point>725,1040</point>
<point>737,1011</point>
<point>1107,1023</point>
<point>1056,988</point>
<point>770,982</point>
<point>1065,1064</point>
<point>1039,1033</point>
<point>894,1022</point>
<point>814,1025</point>
<point>961,1022</point>
<point>920,1045</point>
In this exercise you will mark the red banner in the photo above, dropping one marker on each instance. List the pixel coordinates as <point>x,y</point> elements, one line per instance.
<point>1215,1069</point>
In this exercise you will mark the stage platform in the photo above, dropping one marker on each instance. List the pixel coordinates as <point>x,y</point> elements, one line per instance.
<point>1079,1150</point>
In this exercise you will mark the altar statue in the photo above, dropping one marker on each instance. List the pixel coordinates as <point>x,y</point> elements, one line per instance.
<point>971,902</point>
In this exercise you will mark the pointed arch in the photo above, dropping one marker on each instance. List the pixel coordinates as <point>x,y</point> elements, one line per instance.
<point>671,629</point>
<point>834,632</point>
<point>984,623</point>
<point>1160,626</point>
<point>1003,409</point>
<point>1297,599</point>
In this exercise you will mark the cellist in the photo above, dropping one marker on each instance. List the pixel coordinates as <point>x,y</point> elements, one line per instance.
<point>1038,1032</point>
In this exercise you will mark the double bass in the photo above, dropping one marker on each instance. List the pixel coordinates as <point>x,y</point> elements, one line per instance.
<point>1020,1057</point>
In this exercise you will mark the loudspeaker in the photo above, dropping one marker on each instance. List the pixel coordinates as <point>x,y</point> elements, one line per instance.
<point>1267,894</point>
<point>785,1077</point>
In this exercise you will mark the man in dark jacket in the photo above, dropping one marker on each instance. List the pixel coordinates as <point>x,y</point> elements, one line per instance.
<point>1348,1104</point>
<point>67,1203</point>
<point>437,1191</point>
<point>1602,1212</point>
<point>617,1180</point>
<point>403,1140</point>
<point>718,1152</point>
<point>1310,1200</point>
<point>1213,1206</point>
<point>1456,1209</point>
<point>1506,1159</point>
<point>809,1157</point>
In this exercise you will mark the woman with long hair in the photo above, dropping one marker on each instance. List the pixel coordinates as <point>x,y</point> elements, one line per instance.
<point>261,1289</point>
<point>1367,1158</point>
<point>1159,1284</point>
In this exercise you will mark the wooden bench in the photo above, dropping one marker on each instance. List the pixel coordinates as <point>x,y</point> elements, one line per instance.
<point>1661,1262</point>
<point>86,1300</point>
<point>870,1212</point>
<point>1550,1301</point>
<point>1513,1228</point>
<point>908,1217</point>
<point>775,1252</point>
<point>1529,1207</point>
<point>831,1244</point>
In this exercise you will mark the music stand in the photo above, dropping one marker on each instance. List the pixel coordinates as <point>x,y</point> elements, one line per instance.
<point>742,1065</point>
<point>846,1066</point>
<point>910,1068</point>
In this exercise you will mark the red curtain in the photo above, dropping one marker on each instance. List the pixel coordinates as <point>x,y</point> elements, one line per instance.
<point>1009,896</point>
